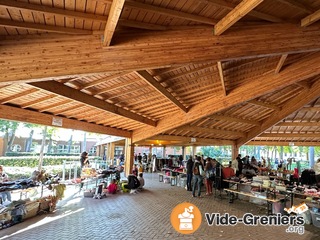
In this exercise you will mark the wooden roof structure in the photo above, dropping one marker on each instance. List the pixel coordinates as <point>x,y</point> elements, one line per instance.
<point>179,72</point>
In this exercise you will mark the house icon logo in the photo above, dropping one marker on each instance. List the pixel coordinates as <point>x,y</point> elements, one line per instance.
<point>186,218</point>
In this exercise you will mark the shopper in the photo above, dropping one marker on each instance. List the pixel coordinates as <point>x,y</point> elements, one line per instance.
<point>84,159</point>
<point>197,169</point>
<point>189,173</point>
<point>5,195</point>
<point>209,176</point>
<point>316,168</point>
<point>141,180</point>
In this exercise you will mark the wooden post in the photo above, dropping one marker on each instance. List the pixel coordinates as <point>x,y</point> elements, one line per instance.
<point>235,151</point>
<point>129,156</point>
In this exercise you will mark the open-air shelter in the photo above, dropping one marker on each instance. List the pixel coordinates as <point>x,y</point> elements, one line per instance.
<point>201,72</point>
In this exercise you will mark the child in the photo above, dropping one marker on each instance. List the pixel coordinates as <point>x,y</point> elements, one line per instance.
<point>141,180</point>
<point>112,188</point>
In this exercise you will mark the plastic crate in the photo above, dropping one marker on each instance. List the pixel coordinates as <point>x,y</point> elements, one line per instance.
<point>315,219</point>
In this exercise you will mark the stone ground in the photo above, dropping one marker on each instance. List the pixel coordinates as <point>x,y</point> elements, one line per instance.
<point>143,216</point>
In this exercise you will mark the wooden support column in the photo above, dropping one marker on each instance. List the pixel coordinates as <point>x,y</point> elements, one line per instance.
<point>235,151</point>
<point>194,150</point>
<point>129,156</point>
<point>184,153</point>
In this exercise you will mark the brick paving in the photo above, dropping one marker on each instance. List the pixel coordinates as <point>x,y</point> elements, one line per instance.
<point>143,216</point>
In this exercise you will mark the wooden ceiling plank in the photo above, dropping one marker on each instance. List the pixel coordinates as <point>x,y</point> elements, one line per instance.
<point>290,135</point>
<point>263,104</point>
<point>116,86</point>
<point>233,119</point>
<point>54,105</point>
<point>52,10</point>
<point>289,107</point>
<point>141,25</point>
<point>235,15</point>
<point>219,64</point>
<point>281,62</point>
<point>163,91</point>
<point>298,124</point>
<point>251,89</point>
<point>282,143</point>
<point>23,115</point>
<point>105,79</point>
<point>253,13</point>
<point>18,95</point>
<point>42,27</point>
<point>113,18</point>
<point>169,12</point>
<point>310,19</point>
<point>211,130</point>
<point>62,90</point>
<point>297,5</point>
<point>37,101</point>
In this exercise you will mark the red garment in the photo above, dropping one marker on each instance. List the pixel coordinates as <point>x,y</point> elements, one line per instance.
<point>112,188</point>
<point>228,172</point>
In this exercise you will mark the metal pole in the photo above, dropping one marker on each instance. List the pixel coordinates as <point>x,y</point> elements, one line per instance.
<point>75,170</point>
<point>69,170</point>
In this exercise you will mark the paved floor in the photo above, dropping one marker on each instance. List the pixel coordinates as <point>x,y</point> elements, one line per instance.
<point>144,216</point>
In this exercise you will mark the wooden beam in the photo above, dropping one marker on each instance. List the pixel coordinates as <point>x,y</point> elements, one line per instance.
<point>281,62</point>
<point>312,18</point>
<point>298,124</point>
<point>113,18</point>
<point>51,10</point>
<point>303,98</point>
<point>311,109</point>
<point>39,100</point>
<point>62,90</point>
<point>219,64</point>
<point>42,27</point>
<point>263,104</point>
<point>116,86</point>
<point>85,56</point>
<point>251,89</point>
<point>54,105</point>
<point>162,90</point>
<point>23,115</point>
<point>253,13</point>
<point>235,15</point>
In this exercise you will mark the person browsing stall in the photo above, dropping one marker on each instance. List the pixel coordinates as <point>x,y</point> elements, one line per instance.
<point>5,195</point>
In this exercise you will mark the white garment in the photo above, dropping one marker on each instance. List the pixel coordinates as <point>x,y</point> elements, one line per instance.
<point>316,168</point>
<point>235,165</point>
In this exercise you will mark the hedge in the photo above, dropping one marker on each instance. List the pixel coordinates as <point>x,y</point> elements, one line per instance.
<point>33,161</point>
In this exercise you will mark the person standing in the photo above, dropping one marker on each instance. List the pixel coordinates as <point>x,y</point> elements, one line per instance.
<point>5,195</point>
<point>84,159</point>
<point>209,176</point>
<point>197,169</point>
<point>189,173</point>
<point>316,168</point>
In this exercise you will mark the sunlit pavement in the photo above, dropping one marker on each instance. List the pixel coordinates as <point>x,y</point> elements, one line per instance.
<point>145,215</point>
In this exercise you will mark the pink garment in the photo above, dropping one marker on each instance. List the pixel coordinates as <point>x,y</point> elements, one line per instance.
<point>112,188</point>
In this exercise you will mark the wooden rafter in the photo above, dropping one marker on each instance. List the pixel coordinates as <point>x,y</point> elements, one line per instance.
<point>219,64</point>
<point>42,27</point>
<point>54,105</point>
<point>52,10</point>
<point>15,96</point>
<point>263,104</point>
<point>157,86</point>
<point>85,54</point>
<point>23,115</point>
<point>235,15</point>
<point>311,109</point>
<point>281,63</point>
<point>312,18</point>
<point>113,18</point>
<point>289,107</point>
<point>116,86</point>
<point>251,89</point>
<point>62,90</point>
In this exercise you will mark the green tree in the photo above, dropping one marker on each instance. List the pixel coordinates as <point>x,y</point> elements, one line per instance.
<point>9,128</point>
